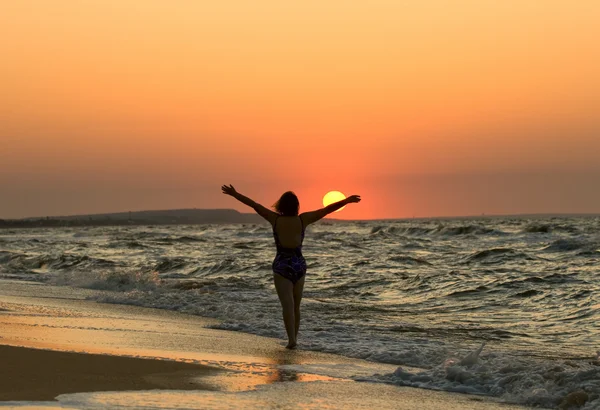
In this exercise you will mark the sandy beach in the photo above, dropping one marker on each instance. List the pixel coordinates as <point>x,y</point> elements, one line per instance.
<point>61,350</point>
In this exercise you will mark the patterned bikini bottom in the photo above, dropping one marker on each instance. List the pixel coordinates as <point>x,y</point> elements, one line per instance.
<point>291,266</point>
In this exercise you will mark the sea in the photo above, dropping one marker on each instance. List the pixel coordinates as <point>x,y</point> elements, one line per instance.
<point>505,306</point>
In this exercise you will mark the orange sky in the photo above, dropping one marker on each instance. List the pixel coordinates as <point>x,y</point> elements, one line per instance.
<point>427,107</point>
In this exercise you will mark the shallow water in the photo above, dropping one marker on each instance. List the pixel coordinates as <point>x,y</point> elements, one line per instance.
<point>418,293</point>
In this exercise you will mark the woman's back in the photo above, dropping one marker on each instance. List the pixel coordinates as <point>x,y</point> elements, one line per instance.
<point>289,231</point>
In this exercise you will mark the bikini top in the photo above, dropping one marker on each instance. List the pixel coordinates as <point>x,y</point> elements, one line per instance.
<point>280,247</point>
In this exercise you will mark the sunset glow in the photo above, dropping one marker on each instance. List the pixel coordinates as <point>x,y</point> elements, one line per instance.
<point>427,107</point>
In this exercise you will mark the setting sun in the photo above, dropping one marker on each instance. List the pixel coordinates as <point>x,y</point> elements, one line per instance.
<point>333,197</point>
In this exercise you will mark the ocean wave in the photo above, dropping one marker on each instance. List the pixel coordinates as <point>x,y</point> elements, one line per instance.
<point>527,293</point>
<point>7,256</point>
<point>55,262</point>
<point>528,381</point>
<point>130,244</point>
<point>170,264</point>
<point>469,292</point>
<point>438,230</point>
<point>221,266</point>
<point>412,246</point>
<point>485,333</point>
<point>572,244</point>
<point>405,259</point>
<point>555,226</point>
<point>111,280</point>
<point>376,229</point>
<point>246,245</point>
<point>551,279</point>
<point>141,235</point>
<point>84,233</point>
<point>496,255</point>
<point>382,231</point>
<point>468,230</point>
<point>179,239</point>
<point>567,228</point>
<point>418,231</point>
<point>360,283</point>
<point>537,228</point>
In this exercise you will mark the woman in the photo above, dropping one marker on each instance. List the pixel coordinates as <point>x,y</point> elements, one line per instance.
<point>289,266</point>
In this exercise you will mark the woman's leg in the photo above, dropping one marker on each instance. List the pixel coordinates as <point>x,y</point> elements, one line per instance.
<point>285,291</point>
<point>298,289</point>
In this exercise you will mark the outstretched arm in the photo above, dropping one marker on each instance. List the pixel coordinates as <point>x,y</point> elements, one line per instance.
<point>261,210</point>
<point>314,216</point>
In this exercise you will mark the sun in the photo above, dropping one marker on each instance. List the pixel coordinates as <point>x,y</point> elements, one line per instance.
<point>332,197</point>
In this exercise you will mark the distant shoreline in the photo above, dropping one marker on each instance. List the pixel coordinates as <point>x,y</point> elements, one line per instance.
<point>159,217</point>
<point>214,216</point>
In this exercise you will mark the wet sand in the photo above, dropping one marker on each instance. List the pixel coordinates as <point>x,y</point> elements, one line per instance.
<point>109,356</point>
<point>33,374</point>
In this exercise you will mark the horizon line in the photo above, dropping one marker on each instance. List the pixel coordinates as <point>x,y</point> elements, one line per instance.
<point>483,215</point>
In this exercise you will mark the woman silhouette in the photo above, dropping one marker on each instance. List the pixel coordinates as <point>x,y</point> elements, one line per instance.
<point>289,266</point>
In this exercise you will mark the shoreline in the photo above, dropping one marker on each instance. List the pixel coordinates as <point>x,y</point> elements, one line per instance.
<point>164,350</point>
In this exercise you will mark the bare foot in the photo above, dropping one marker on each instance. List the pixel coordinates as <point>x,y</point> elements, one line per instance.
<point>291,345</point>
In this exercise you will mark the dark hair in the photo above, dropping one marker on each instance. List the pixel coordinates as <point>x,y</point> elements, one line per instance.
<point>288,204</point>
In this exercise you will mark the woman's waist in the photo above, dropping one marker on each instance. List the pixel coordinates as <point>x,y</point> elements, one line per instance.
<point>289,251</point>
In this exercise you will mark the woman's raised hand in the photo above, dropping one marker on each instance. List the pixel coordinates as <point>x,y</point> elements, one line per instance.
<point>353,199</point>
<point>228,190</point>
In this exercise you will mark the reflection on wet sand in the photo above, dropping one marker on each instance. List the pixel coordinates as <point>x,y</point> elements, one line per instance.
<point>245,376</point>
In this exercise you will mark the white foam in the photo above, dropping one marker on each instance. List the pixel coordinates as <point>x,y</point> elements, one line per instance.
<point>525,380</point>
